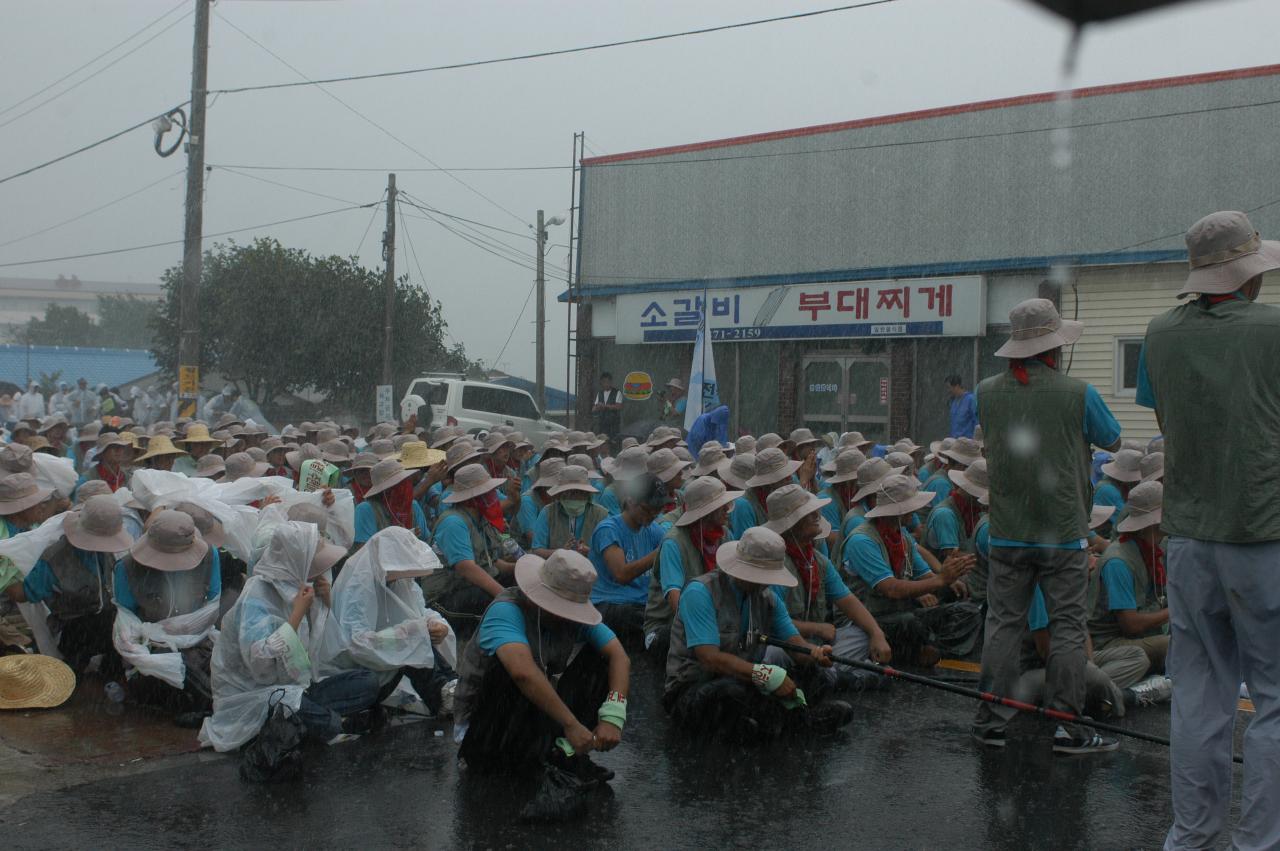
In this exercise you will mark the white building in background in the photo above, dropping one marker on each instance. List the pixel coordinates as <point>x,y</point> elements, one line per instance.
<point>22,299</point>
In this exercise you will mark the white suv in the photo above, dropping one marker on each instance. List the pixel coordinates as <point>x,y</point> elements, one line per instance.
<point>475,405</point>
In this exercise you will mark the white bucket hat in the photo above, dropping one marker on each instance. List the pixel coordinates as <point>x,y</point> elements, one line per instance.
<point>973,480</point>
<point>1145,507</point>
<point>171,543</point>
<point>898,495</point>
<point>97,526</point>
<point>705,496</point>
<point>20,491</point>
<point>665,464</point>
<point>578,459</point>
<point>573,478</point>
<point>1225,252</point>
<point>738,470</point>
<point>1038,328</point>
<point>548,471</point>
<point>772,465</point>
<point>469,482</point>
<point>560,585</point>
<point>870,474</point>
<point>845,466</point>
<point>964,450</point>
<point>709,458</point>
<point>758,558</point>
<point>1126,466</point>
<point>1152,466</point>
<point>790,504</point>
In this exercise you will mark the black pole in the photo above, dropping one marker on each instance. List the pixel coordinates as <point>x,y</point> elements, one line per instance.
<point>984,696</point>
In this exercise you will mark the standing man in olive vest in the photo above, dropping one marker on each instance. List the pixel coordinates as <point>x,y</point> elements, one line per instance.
<point>1211,369</point>
<point>1038,425</point>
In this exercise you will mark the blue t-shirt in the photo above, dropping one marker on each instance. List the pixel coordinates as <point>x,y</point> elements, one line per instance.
<point>124,594</point>
<point>698,613</point>
<point>832,511</point>
<point>1108,493</point>
<point>527,516</point>
<point>41,584</point>
<point>608,500</point>
<point>863,557</point>
<point>503,623</point>
<point>944,528</point>
<point>964,415</point>
<point>939,486</point>
<point>670,567</point>
<point>367,522</point>
<point>1119,582</point>
<point>982,540</point>
<point>635,544</point>
<point>454,537</point>
<point>741,517</point>
<point>834,585</point>
<point>542,526</point>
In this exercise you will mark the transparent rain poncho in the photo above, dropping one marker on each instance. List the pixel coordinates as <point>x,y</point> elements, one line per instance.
<point>24,550</point>
<point>152,649</point>
<point>258,653</point>
<point>379,625</point>
<point>158,488</point>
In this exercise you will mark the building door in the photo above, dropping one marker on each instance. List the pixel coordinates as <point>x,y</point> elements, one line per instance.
<point>846,393</point>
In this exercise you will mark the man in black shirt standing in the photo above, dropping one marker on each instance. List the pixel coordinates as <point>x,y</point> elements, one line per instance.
<point>607,407</point>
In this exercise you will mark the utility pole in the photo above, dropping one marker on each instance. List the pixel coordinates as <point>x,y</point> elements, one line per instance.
<point>389,255</point>
<point>193,231</point>
<point>540,376</point>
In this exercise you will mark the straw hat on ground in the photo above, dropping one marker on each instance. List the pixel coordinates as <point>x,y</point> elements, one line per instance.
<point>897,495</point>
<point>704,496</point>
<point>738,470</point>
<point>97,526</point>
<point>470,482</point>
<point>160,445</point>
<point>1145,507</point>
<point>560,585</point>
<point>1037,328</point>
<point>758,558</point>
<point>772,466</point>
<point>1126,466</point>
<point>31,681</point>
<point>171,543</point>
<point>20,491</point>
<point>790,504</point>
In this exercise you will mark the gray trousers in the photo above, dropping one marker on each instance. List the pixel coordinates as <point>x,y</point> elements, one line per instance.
<point>1125,664</point>
<point>1224,616</point>
<point>1014,573</point>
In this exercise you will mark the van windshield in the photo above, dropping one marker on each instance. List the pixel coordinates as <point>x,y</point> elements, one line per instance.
<point>496,400</point>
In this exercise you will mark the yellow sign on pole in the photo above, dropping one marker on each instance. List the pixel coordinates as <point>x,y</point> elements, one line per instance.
<point>188,390</point>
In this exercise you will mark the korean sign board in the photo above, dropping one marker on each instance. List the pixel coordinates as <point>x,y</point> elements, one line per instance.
<point>929,307</point>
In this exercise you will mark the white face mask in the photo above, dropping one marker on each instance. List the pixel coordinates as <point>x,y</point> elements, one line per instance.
<point>574,507</point>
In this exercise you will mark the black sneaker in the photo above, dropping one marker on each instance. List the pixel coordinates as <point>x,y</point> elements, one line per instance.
<point>990,738</point>
<point>583,770</point>
<point>1091,742</point>
<point>372,720</point>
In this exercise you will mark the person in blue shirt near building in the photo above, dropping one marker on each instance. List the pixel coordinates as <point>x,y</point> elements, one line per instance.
<point>720,682</point>
<point>674,402</point>
<point>544,682</point>
<point>389,502</point>
<point>963,408</point>
<point>624,549</point>
<point>569,520</point>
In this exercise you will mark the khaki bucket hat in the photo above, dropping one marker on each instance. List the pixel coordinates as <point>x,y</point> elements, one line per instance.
<point>665,464</point>
<point>1038,328</point>
<point>573,478</point>
<point>469,482</point>
<point>444,435</point>
<point>366,460</point>
<point>1152,467</point>
<point>758,558</point>
<point>746,443</point>
<point>560,585</point>
<point>963,450</point>
<point>897,495</point>
<point>768,441</point>
<point>20,491</point>
<point>870,474</point>
<point>790,504</point>
<point>855,439</point>
<point>802,437</point>
<point>1145,507</point>
<point>1224,252</point>
<point>91,488</point>
<point>908,446</point>
<point>171,542</point>
<point>587,463</point>
<point>336,452</point>
<point>240,465</point>
<point>772,466</point>
<point>704,496</point>
<point>575,440</point>
<point>257,453</point>
<point>845,466</point>
<point>109,439</point>
<point>160,445</point>
<point>97,526</point>
<point>629,442</point>
<point>709,459</point>
<point>630,463</point>
<point>210,467</point>
<point>226,421</point>
<point>16,458</point>
<point>387,473</point>
<point>415,455</point>
<point>209,527</point>
<point>938,446</point>
<point>49,423</point>
<point>1126,466</point>
<point>461,452</point>
<point>738,470</point>
<point>32,681</point>
<point>677,383</point>
<point>549,472</point>
<point>899,459</point>
<point>494,440</point>
<point>973,480</point>
<point>1100,514</point>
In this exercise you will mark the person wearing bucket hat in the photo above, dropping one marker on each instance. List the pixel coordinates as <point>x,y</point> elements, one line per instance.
<point>710,457</point>
<point>624,549</point>
<point>736,472</point>
<point>588,463</point>
<point>960,523</point>
<point>198,443</point>
<point>840,484</point>
<point>896,584</point>
<point>687,551</point>
<point>72,578</point>
<point>670,469</point>
<point>1129,590</point>
<point>54,429</point>
<point>1121,473</point>
<point>772,470</point>
<point>1038,426</point>
<point>111,452</point>
<point>962,452</point>
<point>389,501</point>
<point>277,464</point>
<point>630,464</point>
<point>934,461</point>
<point>720,683</point>
<point>479,552</point>
<point>673,401</point>
<point>23,503</point>
<point>534,499</point>
<point>544,682</point>
<point>801,445</point>
<point>240,465</point>
<point>211,467</point>
<point>268,650</point>
<point>820,604</point>
<point>569,521</point>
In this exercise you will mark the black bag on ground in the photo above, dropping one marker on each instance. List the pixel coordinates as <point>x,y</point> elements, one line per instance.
<point>275,753</point>
<point>559,797</point>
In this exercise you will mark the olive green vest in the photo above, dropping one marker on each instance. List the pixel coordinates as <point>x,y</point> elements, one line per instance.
<point>830,493</point>
<point>1215,375</point>
<point>80,592</point>
<point>976,579</point>
<point>683,667</point>
<point>798,605</point>
<point>484,543</point>
<point>1037,456</point>
<point>162,594</point>
<point>560,525</point>
<point>1103,626</point>
<point>878,604</point>
<point>657,611</point>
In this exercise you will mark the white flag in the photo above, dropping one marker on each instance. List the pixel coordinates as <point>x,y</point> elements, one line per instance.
<point>704,392</point>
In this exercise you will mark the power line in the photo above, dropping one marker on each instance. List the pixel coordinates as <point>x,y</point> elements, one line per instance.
<point>562,52</point>
<point>422,205</point>
<point>514,326</point>
<point>366,118</point>
<point>92,145</point>
<point>369,226</point>
<point>179,241</point>
<point>79,68</point>
<point>42,104</point>
<point>414,252</point>
<point>95,209</point>
<point>282,185</point>
<point>437,169</point>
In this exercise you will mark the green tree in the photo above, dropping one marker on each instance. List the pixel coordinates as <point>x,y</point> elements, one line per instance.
<point>276,320</point>
<point>61,326</point>
<point>124,321</point>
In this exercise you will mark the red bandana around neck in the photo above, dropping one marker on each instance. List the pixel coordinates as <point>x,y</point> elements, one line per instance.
<point>357,491</point>
<point>114,480</point>
<point>1152,557</point>
<point>969,509</point>
<point>707,539</point>
<point>398,501</point>
<point>890,532</point>
<point>1018,366</point>
<point>489,507</point>
<point>802,556</point>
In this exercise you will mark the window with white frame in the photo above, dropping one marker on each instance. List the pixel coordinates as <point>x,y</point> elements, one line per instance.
<point>1128,349</point>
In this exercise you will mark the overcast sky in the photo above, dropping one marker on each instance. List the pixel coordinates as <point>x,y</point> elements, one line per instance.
<point>909,54</point>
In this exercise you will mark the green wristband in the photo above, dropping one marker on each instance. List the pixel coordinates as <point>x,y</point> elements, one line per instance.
<point>613,711</point>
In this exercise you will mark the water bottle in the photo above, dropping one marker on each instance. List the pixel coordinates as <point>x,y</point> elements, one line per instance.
<point>511,550</point>
<point>115,697</point>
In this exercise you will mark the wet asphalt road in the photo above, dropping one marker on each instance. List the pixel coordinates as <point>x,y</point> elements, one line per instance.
<point>903,774</point>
